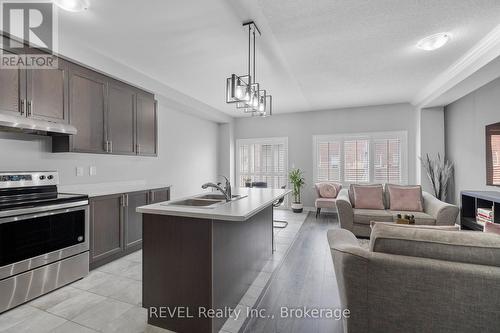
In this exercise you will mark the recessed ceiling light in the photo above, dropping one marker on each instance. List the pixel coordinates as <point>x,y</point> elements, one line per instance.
<point>73,5</point>
<point>434,42</point>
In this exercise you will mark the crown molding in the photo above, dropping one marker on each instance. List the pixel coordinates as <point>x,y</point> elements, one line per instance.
<point>485,51</point>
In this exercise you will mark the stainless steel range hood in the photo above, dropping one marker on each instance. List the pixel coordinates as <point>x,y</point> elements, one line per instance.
<point>33,126</point>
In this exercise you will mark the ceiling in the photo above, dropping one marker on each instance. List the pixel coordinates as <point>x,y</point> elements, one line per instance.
<point>313,54</point>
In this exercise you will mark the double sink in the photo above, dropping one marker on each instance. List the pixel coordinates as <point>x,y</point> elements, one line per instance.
<point>205,201</point>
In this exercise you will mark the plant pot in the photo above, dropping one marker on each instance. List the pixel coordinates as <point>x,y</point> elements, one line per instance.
<point>297,207</point>
<point>249,184</point>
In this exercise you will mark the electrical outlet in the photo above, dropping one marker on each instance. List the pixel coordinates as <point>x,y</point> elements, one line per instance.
<point>92,170</point>
<point>79,171</point>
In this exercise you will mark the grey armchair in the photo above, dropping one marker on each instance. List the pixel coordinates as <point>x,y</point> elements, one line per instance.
<point>418,280</point>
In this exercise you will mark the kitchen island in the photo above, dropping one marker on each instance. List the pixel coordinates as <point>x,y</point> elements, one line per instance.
<point>197,259</point>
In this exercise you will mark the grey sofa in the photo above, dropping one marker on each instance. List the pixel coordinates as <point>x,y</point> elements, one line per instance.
<point>357,221</point>
<point>418,280</point>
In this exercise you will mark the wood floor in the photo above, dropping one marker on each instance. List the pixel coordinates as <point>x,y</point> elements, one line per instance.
<point>305,278</point>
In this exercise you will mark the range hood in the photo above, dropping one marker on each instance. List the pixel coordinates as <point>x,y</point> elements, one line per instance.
<point>33,126</point>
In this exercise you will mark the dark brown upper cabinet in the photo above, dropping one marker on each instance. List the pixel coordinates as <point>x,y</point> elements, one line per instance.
<point>111,116</point>
<point>12,91</point>
<point>47,93</point>
<point>35,93</point>
<point>87,110</point>
<point>146,125</point>
<point>121,118</point>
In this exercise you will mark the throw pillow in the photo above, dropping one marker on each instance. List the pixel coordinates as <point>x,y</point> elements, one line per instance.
<point>327,190</point>
<point>405,198</point>
<point>493,228</point>
<point>368,197</point>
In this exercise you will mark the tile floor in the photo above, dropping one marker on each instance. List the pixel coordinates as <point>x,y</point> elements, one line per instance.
<point>109,298</point>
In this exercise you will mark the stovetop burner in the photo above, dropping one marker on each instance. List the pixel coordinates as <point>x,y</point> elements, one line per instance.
<point>32,189</point>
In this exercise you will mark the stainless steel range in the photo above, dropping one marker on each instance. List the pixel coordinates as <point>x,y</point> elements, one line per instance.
<point>44,236</point>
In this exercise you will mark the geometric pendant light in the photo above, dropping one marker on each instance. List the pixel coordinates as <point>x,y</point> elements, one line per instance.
<point>243,90</point>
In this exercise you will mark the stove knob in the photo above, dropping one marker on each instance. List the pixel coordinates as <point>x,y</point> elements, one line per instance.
<point>49,177</point>
<point>42,177</point>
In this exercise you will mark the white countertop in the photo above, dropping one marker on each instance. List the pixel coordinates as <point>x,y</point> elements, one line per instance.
<point>101,189</point>
<point>238,210</point>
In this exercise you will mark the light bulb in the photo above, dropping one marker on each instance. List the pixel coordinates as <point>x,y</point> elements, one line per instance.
<point>262,107</point>
<point>255,100</point>
<point>239,92</point>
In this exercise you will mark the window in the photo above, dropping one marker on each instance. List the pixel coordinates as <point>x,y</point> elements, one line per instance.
<point>493,154</point>
<point>262,160</point>
<point>361,158</point>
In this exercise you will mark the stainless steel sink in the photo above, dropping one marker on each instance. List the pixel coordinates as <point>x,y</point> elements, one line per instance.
<point>195,202</point>
<point>220,196</point>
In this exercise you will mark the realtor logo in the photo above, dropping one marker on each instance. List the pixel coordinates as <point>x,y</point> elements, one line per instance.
<point>31,28</point>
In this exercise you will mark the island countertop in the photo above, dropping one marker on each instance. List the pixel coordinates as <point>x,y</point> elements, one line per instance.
<point>238,210</point>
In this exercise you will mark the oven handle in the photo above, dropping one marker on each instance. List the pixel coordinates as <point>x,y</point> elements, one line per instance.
<point>34,212</point>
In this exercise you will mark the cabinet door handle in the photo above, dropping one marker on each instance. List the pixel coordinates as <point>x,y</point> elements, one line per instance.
<point>126,200</point>
<point>110,146</point>
<point>22,109</point>
<point>30,108</point>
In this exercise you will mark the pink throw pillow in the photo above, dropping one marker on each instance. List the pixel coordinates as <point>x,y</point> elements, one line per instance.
<point>368,197</point>
<point>492,228</point>
<point>405,198</point>
<point>327,190</point>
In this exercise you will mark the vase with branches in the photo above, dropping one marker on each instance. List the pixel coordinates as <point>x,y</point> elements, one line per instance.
<point>439,171</point>
<point>296,177</point>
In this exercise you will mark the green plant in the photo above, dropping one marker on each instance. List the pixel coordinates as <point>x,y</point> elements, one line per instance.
<point>296,177</point>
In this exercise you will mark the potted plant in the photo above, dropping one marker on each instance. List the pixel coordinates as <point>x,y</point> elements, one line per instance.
<point>439,171</point>
<point>248,182</point>
<point>296,177</point>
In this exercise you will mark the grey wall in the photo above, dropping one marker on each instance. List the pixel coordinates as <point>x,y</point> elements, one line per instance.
<point>187,156</point>
<point>465,122</point>
<point>300,128</point>
<point>430,140</point>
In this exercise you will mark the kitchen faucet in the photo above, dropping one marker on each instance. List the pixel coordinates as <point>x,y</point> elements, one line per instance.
<point>226,191</point>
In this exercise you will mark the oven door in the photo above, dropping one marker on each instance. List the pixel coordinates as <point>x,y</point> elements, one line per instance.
<point>39,238</point>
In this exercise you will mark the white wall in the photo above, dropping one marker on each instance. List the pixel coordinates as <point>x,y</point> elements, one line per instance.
<point>186,159</point>
<point>300,128</point>
<point>465,122</point>
<point>430,140</point>
<point>225,154</point>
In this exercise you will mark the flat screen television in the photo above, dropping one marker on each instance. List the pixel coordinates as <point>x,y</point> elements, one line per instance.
<point>493,154</point>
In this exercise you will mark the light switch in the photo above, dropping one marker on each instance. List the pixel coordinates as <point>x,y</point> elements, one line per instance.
<point>93,170</point>
<point>79,171</point>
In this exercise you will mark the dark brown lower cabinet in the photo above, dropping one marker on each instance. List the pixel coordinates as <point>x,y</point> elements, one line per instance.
<point>106,227</point>
<point>115,226</point>
<point>159,195</point>
<point>133,223</point>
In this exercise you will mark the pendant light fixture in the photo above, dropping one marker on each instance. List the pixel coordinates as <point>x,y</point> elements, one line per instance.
<point>243,90</point>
